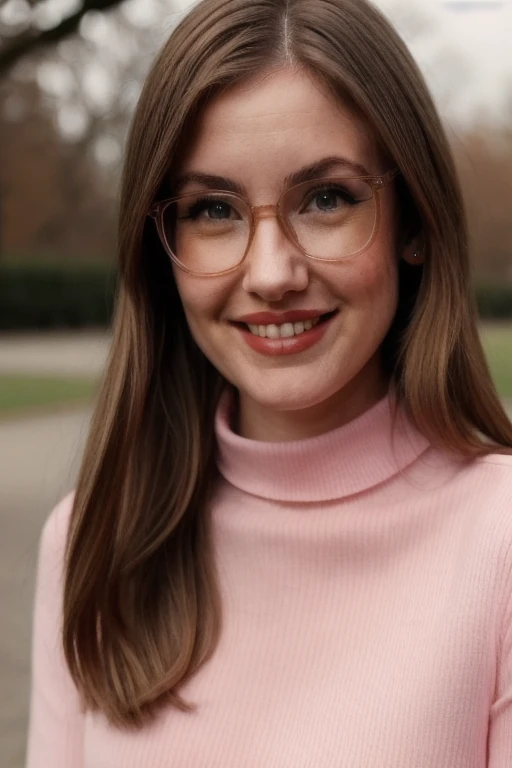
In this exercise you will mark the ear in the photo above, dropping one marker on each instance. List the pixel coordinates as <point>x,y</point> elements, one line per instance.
<point>411,245</point>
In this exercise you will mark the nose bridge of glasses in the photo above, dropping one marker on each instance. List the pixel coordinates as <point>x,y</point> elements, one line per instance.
<point>261,212</point>
<point>264,212</point>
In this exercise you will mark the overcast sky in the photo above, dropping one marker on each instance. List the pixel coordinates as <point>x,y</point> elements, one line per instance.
<point>479,34</point>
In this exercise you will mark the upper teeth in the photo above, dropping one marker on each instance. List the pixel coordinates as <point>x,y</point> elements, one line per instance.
<point>285,330</point>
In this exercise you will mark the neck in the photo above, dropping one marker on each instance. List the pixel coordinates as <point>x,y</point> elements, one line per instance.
<point>259,422</point>
<point>341,462</point>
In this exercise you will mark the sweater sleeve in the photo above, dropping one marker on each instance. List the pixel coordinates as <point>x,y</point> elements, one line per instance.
<point>56,722</point>
<point>500,723</point>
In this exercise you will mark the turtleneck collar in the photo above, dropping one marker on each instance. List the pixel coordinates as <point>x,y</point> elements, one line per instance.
<point>350,459</point>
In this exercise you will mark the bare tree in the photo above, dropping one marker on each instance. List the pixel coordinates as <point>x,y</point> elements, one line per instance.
<point>54,203</point>
<point>64,114</point>
<point>32,39</point>
<point>484,160</point>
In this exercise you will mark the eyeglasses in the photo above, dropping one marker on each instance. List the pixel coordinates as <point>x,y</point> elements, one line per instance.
<point>209,232</point>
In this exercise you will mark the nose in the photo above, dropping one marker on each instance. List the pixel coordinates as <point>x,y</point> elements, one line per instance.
<point>274,265</point>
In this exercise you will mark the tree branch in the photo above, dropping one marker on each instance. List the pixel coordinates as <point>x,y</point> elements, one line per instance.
<point>33,40</point>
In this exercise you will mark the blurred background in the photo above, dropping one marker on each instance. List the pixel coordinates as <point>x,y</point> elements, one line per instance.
<point>70,75</point>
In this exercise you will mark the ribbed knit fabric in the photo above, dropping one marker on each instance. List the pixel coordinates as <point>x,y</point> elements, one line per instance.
<point>367,615</point>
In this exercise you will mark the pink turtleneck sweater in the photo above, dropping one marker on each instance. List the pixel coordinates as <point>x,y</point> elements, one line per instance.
<point>367,602</point>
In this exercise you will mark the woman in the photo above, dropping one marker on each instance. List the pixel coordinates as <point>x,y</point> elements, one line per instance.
<point>290,542</point>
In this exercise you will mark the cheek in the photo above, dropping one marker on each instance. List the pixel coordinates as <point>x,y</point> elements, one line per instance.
<point>377,268</point>
<point>372,282</point>
<point>203,299</point>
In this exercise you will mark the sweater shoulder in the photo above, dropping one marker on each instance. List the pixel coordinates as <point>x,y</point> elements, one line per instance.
<point>498,459</point>
<point>491,477</point>
<point>488,485</point>
<point>495,469</point>
<point>490,474</point>
<point>55,530</point>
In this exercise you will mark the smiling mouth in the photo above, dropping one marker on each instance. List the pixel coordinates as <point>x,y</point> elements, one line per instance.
<point>285,330</point>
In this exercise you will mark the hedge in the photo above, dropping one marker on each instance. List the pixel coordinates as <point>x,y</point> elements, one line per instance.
<point>46,296</point>
<point>494,300</point>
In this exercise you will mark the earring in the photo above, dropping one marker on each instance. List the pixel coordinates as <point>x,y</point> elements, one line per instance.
<point>415,259</point>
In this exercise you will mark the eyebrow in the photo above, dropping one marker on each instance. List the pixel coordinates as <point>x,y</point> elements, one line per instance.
<point>308,173</point>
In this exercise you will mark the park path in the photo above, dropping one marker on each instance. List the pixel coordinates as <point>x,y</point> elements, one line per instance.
<point>39,460</point>
<point>67,354</point>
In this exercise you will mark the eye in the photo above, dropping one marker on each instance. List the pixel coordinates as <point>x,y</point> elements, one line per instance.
<point>327,200</point>
<point>218,210</point>
<point>210,209</point>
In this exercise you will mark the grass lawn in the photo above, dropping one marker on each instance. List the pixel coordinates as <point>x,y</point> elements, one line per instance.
<point>497,341</point>
<point>20,393</point>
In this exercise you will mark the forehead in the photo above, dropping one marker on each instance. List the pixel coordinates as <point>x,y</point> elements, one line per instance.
<point>261,130</point>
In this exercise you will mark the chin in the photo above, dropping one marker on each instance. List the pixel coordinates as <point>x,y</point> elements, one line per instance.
<point>285,399</point>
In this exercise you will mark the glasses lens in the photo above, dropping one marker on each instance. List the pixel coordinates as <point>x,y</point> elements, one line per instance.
<point>207,233</point>
<point>331,219</point>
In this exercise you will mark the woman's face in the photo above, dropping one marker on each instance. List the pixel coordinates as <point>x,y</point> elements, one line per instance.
<point>257,134</point>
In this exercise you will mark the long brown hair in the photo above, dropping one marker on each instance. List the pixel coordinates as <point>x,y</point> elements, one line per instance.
<point>141,603</point>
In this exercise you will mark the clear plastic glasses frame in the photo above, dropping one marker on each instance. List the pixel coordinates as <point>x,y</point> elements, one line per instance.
<point>259,212</point>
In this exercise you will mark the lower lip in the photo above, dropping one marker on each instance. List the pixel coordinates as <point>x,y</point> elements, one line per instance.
<point>289,345</point>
